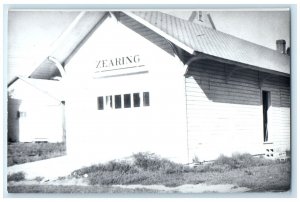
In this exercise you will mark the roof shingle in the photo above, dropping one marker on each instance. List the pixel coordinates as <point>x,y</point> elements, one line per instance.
<point>215,43</point>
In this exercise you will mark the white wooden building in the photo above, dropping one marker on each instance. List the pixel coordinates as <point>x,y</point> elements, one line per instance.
<point>35,111</point>
<point>148,81</point>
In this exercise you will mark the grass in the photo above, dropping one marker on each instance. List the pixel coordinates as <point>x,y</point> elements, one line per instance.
<point>146,168</point>
<point>17,177</point>
<point>19,153</point>
<point>242,170</point>
<point>236,161</point>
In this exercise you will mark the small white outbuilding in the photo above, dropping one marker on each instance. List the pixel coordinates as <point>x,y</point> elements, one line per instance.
<point>35,111</point>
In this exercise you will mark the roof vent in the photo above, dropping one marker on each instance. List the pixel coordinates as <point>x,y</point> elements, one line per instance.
<point>280,46</point>
<point>200,16</point>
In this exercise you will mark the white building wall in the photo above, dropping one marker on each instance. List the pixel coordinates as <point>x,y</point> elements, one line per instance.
<point>227,117</point>
<point>39,114</point>
<point>41,122</point>
<point>101,135</point>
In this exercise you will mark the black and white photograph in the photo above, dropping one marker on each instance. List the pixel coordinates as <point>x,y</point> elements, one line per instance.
<point>148,101</point>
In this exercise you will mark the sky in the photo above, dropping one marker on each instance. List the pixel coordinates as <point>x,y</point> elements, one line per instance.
<point>260,27</point>
<point>31,32</point>
<point>36,30</point>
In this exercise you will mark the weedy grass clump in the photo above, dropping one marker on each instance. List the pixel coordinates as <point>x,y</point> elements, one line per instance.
<point>112,166</point>
<point>144,168</point>
<point>242,161</point>
<point>19,176</point>
<point>236,161</point>
<point>149,169</point>
<point>152,162</point>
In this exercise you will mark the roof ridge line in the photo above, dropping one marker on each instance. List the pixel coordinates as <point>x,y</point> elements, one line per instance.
<point>214,30</point>
<point>159,31</point>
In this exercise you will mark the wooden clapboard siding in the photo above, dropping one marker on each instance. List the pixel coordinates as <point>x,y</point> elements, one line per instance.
<point>280,111</point>
<point>211,42</point>
<point>225,116</point>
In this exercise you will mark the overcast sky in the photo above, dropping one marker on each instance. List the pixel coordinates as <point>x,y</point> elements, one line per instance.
<point>260,27</point>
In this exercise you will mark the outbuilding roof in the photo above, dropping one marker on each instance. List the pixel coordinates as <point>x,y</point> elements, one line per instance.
<point>195,38</point>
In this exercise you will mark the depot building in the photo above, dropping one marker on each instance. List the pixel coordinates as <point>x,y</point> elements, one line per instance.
<point>128,82</point>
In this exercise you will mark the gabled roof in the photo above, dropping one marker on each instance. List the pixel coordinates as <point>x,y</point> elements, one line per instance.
<point>69,42</point>
<point>195,38</point>
<point>191,37</point>
<point>65,46</point>
<point>37,89</point>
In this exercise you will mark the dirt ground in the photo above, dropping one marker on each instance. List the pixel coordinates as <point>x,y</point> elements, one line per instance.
<point>187,188</point>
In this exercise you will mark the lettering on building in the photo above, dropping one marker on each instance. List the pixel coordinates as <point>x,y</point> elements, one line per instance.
<point>118,63</point>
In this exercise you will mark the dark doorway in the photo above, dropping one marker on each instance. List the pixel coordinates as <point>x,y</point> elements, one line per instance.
<point>266,102</point>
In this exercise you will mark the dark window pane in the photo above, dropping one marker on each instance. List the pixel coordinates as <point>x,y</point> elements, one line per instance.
<point>108,101</point>
<point>100,103</point>
<point>146,98</point>
<point>127,101</point>
<point>266,102</point>
<point>136,100</point>
<point>118,103</point>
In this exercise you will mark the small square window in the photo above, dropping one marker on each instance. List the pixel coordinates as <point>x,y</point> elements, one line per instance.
<point>118,102</point>
<point>127,101</point>
<point>136,100</point>
<point>100,103</point>
<point>146,99</point>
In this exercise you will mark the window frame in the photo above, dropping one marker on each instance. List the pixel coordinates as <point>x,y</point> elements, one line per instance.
<point>120,101</point>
